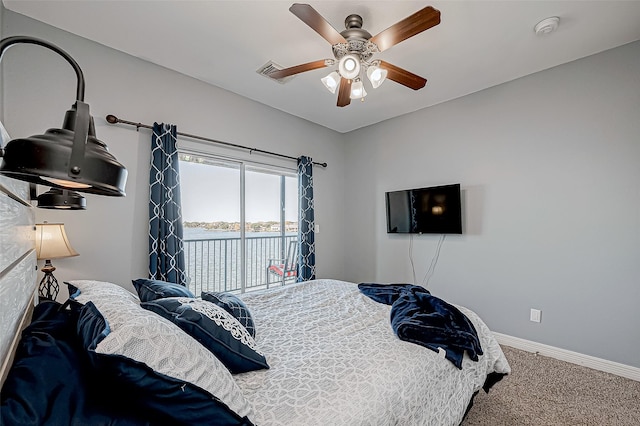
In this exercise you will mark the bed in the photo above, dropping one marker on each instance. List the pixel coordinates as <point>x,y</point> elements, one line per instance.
<point>314,353</point>
<point>341,363</point>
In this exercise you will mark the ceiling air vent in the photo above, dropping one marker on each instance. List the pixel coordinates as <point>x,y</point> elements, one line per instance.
<point>269,67</point>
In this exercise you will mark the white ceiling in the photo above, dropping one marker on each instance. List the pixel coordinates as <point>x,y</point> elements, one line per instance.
<point>478,44</point>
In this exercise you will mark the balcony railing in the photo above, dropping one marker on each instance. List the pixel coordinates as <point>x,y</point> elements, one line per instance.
<point>215,264</point>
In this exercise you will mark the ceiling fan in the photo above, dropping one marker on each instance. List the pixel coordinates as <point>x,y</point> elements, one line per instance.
<point>353,49</point>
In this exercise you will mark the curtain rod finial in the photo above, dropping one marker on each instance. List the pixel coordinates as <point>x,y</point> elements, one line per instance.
<point>112,119</point>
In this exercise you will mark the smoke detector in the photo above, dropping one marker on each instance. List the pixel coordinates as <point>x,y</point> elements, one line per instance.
<point>547,26</point>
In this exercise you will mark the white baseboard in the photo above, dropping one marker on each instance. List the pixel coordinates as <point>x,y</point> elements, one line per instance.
<point>600,364</point>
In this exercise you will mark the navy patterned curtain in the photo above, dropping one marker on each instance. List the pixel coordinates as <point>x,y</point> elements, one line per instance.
<point>166,249</point>
<point>306,236</point>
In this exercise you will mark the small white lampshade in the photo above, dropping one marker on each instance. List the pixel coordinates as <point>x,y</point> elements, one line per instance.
<point>357,90</point>
<point>52,241</point>
<point>376,75</point>
<point>331,81</point>
<point>349,66</point>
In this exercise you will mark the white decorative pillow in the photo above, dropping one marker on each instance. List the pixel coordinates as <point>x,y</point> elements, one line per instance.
<point>146,337</point>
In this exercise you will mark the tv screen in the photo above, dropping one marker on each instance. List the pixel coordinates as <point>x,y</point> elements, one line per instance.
<point>433,210</point>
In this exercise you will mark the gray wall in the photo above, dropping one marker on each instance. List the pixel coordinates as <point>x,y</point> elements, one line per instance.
<point>111,235</point>
<point>550,170</point>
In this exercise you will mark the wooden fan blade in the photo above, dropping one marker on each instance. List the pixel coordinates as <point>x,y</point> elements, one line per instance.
<point>344,92</point>
<point>408,27</point>
<point>312,18</point>
<point>403,76</point>
<point>286,72</point>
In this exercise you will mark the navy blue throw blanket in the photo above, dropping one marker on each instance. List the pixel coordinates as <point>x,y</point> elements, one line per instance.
<point>418,317</point>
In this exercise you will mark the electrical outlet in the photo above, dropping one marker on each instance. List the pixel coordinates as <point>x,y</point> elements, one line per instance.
<point>536,315</point>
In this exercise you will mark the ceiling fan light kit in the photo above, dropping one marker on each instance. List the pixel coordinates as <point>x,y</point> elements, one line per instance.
<point>357,90</point>
<point>331,81</point>
<point>376,75</point>
<point>349,66</point>
<point>353,49</point>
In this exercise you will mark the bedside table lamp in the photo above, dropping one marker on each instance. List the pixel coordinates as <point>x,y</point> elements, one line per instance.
<point>51,243</point>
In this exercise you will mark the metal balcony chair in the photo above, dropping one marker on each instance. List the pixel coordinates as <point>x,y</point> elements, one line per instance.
<point>287,268</point>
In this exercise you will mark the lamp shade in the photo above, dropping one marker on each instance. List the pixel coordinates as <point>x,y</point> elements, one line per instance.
<point>357,90</point>
<point>331,81</point>
<point>376,75</point>
<point>47,159</point>
<point>56,198</point>
<point>52,242</point>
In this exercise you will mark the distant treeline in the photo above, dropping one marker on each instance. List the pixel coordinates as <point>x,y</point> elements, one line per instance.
<point>235,226</point>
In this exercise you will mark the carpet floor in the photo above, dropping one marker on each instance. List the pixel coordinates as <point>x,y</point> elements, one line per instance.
<point>544,391</point>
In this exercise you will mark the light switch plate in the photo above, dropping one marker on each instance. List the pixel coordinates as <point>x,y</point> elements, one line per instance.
<point>536,315</point>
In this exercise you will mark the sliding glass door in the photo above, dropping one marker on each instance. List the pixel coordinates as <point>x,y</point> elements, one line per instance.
<point>239,219</point>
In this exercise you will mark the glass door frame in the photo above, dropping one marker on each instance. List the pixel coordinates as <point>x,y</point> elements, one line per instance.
<point>243,165</point>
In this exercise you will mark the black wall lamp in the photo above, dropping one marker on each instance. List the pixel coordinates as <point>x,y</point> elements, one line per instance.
<point>71,158</point>
<point>61,199</point>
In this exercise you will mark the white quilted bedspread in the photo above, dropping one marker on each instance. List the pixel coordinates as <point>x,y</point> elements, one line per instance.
<point>336,361</point>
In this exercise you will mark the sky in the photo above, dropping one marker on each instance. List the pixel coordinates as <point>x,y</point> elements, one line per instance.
<point>212,193</point>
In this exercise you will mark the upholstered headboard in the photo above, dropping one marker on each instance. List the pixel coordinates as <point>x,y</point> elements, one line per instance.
<point>18,265</point>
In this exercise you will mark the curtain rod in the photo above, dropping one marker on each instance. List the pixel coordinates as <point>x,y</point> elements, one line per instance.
<point>112,119</point>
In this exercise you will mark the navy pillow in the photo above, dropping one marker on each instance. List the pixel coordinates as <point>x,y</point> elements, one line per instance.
<point>50,381</point>
<point>232,304</point>
<point>214,328</point>
<point>178,402</point>
<point>155,289</point>
<point>43,379</point>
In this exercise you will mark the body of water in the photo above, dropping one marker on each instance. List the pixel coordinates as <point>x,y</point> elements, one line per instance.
<point>205,234</point>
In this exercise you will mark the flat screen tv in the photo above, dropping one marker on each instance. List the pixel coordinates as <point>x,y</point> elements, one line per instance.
<point>433,210</point>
